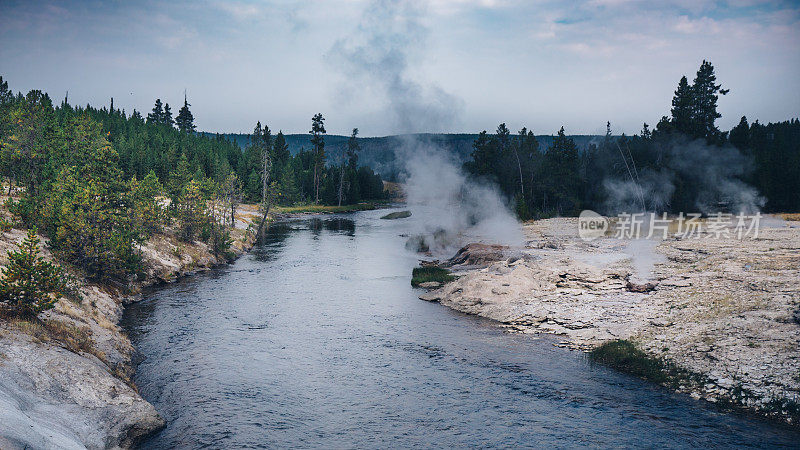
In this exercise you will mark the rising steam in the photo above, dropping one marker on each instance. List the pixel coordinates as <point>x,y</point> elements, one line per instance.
<point>448,209</point>
<point>712,173</point>
<point>375,60</point>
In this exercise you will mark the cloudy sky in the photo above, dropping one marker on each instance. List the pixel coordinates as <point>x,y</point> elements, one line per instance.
<point>403,66</point>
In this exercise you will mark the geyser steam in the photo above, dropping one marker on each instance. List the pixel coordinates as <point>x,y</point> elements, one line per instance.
<point>448,209</point>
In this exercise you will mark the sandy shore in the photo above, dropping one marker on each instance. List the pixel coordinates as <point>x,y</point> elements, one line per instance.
<point>723,309</point>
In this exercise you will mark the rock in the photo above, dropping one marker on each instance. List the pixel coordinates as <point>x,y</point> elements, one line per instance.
<point>660,323</point>
<point>645,287</point>
<point>478,255</point>
<point>397,215</point>
<point>430,285</point>
<point>53,398</point>
<point>726,383</point>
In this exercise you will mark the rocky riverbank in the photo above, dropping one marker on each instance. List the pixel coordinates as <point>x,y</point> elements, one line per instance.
<point>65,381</point>
<point>723,310</point>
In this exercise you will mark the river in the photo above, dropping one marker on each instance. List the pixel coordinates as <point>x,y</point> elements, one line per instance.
<point>316,339</point>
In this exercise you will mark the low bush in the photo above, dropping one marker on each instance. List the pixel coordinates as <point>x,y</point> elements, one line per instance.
<point>29,284</point>
<point>430,273</point>
<point>623,355</point>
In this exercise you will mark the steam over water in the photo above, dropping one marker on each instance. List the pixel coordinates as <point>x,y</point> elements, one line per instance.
<point>316,339</point>
<point>448,209</point>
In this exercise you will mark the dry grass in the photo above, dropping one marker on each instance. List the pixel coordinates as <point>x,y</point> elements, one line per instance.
<point>71,337</point>
<point>790,216</point>
<point>323,208</point>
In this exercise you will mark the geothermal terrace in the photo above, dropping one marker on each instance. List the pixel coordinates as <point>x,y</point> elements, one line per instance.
<point>723,309</point>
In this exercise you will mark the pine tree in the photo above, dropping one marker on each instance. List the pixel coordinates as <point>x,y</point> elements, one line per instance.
<point>178,179</point>
<point>683,107</point>
<point>25,151</point>
<point>562,180</point>
<point>266,166</point>
<point>185,119</point>
<point>352,150</point>
<point>318,142</point>
<point>347,153</point>
<point>157,114</point>
<point>280,149</point>
<point>740,134</point>
<point>167,119</point>
<point>6,96</point>
<point>30,284</point>
<point>191,211</point>
<point>705,93</point>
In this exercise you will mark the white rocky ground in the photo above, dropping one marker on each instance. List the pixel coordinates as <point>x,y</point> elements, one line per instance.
<point>65,382</point>
<point>722,308</point>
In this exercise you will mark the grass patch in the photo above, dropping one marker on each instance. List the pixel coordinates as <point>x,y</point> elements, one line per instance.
<point>73,338</point>
<point>623,355</point>
<point>298,209</point>
<point>431,273</point>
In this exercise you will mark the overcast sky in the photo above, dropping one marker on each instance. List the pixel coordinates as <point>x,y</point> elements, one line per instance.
<point>389,67</point>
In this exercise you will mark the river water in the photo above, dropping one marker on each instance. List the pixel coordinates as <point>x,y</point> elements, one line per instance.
<point>316,339</point>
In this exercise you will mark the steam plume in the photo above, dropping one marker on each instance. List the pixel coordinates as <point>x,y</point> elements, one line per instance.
<point>377,56</point>
<point>448,209</point>
<point>712,173</point>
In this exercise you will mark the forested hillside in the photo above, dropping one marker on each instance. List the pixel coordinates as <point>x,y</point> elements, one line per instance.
<point>98,181</point>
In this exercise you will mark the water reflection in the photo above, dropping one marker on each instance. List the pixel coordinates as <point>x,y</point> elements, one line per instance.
<point>337,224</point>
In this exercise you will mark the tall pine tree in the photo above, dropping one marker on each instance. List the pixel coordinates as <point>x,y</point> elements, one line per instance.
<point>185,119</point>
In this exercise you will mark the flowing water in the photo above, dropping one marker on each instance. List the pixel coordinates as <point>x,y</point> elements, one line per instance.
<point>316,339</point>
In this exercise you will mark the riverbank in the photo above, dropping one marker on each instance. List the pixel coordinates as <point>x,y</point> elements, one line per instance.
<point>65,381</point>
<point>723,312</point>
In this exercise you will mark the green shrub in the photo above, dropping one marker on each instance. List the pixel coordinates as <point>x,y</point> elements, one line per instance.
<point>623,355</point>
<point>29,284</point>
<point>5,224</point>
<point>430,273</point>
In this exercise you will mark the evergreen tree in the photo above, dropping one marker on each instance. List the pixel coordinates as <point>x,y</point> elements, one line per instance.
<point>280,149</point>
<point>178,179</point>
<point>157,114</point>
<point>562,180</point>
<point>352,150</point>
<point>683,107</point>
<point>706,92</point>
<point>6,96</point>
<point>739,135</point>
<point>29,284</point>
<point>318,142</point>
<point>185,119</point>
<point>25,150</point>
<point>148,214</point>
<point>483,156</point>
<point>191,211</point>
<point>166,118</point>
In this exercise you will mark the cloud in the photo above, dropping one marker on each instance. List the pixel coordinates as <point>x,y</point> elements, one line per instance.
<point>538,63</point>
<point>239,10</point>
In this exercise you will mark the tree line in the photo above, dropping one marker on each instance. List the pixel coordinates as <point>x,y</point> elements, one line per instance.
<point>99,182</point>
<point>684,164</point>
